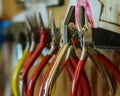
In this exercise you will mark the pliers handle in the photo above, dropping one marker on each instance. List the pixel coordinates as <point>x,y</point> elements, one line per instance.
<point>84,84</point>
<point>109,65</point>
<point>37,71</point>
<point>15,76</point>
<point>43,42</point>
<point>35,74</point>
<point>45,77</point>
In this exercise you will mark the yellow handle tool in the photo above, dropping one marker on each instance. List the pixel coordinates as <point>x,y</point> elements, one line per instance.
<point>15,76</point>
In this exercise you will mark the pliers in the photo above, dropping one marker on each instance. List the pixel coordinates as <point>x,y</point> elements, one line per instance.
<point>58,65</point>
<point>80,66</point>
<point>15,76</point>
<point>86,42</point>
<point>44,36</point>
<point>45,60</point>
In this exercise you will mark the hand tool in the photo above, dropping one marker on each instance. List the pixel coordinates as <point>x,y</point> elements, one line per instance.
<point>86,43</point>
<point>41,65</point>
<point>43,42</point>
<point>15,77</point>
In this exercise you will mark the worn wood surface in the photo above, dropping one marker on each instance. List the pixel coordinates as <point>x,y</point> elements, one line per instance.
<point>110,15</point>
<point>111,11</point>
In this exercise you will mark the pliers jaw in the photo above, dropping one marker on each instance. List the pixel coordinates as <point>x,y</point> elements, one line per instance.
<point>85,36</point>
<point>55,35</point>
<point>42,27</point>
<point>88,31</point>
<point>85,32</point>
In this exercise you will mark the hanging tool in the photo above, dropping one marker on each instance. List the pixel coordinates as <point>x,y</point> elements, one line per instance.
<point>65,43</point>
<point>44,38</point>
<point>15,77</point>
<point>41,65</point>
<point>91,55</point>
<point>86,43</point>
<point>43,81</point>
<point>82,61</point>
<point>35,53</point>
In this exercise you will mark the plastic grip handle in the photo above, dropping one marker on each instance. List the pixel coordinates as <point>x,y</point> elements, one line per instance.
<point>44,36</point>
<point>25,86</point>
<point>77,75</point>
<point>110,66</point>
<point>16,72</point>
<point>83,87</point>
<point>35,74</point>
<point>35,54</point>
<point>25,79</point>
<point>75,61</point>
<point>25,63</point>
<point>70,68</point>
<point>85,84</point>
<point>45,77</point>
<point>32,58</point>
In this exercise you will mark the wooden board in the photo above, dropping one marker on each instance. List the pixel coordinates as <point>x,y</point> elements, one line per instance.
<point>111,11</point>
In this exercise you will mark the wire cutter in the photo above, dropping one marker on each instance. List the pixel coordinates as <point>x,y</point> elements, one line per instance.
<point>15,77</point>
<point>86,42</point>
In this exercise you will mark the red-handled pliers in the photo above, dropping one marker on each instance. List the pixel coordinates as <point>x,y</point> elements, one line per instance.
<point>30,52</point>
<point>82,84</point>
<point>79,75</point>
<point>83,35</point>
<point>41,65</point>
<point>45,76</point>
<point>40,93</point>
<point>25,81</point>
<point>43,42</point>
<point>37,71</point>
<point>85,42</point>
<point>71,69</point>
